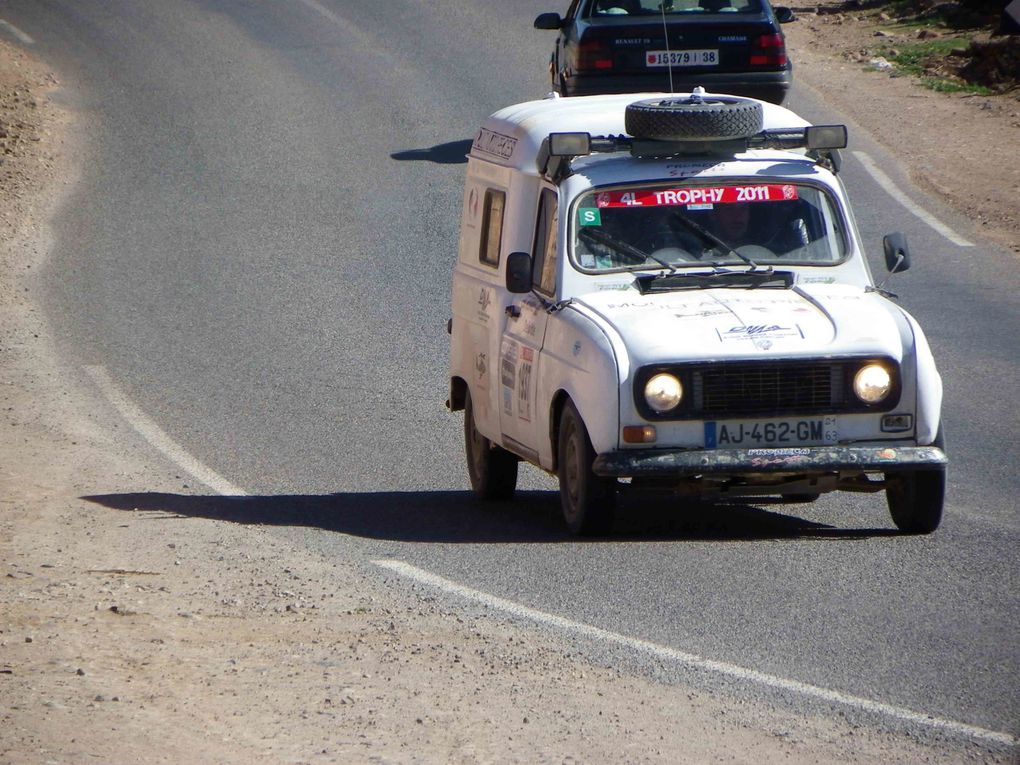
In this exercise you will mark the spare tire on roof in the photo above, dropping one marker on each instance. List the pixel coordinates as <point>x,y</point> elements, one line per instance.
<point>693,118</point>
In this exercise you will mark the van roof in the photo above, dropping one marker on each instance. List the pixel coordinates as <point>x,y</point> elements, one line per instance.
<point>513,136</point>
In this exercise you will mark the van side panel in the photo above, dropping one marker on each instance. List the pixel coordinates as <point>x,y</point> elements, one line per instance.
<point>473,298</point>
<point>579,360</point>
<point>479,296</point>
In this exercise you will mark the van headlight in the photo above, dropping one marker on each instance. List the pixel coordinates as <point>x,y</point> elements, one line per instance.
<point>872,383</point>
<point>663,392</point>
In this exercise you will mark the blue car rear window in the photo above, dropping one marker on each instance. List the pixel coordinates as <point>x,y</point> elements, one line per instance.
<point>607,8</point>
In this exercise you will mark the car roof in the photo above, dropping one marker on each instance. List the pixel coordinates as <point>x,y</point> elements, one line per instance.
<point>513,136</point>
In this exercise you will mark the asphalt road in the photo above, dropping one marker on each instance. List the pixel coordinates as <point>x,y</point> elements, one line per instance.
<point>258,253</point>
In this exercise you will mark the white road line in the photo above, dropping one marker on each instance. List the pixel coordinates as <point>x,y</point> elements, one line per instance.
<point>894,191</point>
<point>691,660</point>
<point>156,436</point>
<point>365,38</point>
<point>324,12</point>
<point>16,33</point>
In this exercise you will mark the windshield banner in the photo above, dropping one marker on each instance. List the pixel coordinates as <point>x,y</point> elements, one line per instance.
<point>696,196</point>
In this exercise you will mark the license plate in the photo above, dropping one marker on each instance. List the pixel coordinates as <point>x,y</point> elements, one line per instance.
<point>682,58</point>
<point>820,431</point>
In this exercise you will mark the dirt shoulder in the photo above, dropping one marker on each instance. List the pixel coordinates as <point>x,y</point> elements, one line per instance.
<point>134,633</point>
<point>960,147</point>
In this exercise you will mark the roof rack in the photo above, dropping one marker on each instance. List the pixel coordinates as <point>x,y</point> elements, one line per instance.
<point>560,149</point>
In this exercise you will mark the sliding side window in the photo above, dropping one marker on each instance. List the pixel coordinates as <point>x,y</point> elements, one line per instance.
<point>492,226</point>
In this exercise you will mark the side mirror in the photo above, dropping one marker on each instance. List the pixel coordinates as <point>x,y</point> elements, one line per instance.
<point>548,21</point>
<point>897,254</point>
<point>784,15</point>
<point>518,273</point>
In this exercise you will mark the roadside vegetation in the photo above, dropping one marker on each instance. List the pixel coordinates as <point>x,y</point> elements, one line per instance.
<point>948,46</point>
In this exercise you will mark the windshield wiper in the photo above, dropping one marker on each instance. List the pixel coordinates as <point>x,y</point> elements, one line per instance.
<point>697,228</point>
<point>598,236</point>
<point>718,278</point>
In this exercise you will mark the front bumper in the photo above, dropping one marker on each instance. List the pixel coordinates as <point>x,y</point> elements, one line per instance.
<point>804,460</point>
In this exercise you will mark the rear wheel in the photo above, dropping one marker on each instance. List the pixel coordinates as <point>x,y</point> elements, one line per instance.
<point>588,500</point>
<point>493,471</point>
<point>916,499</point>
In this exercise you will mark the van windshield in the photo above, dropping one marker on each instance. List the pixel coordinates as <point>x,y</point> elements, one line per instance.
<point>634,228</point>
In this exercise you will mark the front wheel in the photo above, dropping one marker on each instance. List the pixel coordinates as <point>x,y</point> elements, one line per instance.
<point>493,471</point>
<point>588,500</point>
<point>916,499</point>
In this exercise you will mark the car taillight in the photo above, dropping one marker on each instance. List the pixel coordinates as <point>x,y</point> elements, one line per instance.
<point>769,50</point>
<point>593,54</point>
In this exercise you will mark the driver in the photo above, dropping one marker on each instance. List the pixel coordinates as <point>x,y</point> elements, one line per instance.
<point>731,222</point>
<point>781,231</point>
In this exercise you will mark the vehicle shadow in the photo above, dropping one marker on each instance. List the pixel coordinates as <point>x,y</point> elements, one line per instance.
<point>451,153</point>
<point>452,517</point>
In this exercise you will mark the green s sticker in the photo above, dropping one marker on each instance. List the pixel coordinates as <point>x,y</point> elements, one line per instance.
<point>589,216</point>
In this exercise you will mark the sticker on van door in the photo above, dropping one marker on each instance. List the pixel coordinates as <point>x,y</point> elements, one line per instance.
<point>482,370</point>
<point>508,375</point>
<point>524,384</point>
<point>484,301</point>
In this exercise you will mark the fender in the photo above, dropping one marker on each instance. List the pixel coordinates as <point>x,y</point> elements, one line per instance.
<point>928,380</point>
<point>584,359</point>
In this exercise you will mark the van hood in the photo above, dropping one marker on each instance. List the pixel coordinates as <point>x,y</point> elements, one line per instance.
<point>749,323</point>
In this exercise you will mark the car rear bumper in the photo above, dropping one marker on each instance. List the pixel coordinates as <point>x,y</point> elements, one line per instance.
<point>767,86</point>
<point>682,463</point>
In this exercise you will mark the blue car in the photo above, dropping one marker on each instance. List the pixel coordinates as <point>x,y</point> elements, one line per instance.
<point>672,46</point>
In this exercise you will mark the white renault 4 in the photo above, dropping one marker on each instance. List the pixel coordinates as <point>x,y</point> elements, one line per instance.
<point>670,292</point>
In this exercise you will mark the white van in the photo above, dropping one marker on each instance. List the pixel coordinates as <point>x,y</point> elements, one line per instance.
<point>670,292</point>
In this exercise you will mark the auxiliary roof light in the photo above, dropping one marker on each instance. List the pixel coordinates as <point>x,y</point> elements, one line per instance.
<point>569,144</point>
<point>825,137</point>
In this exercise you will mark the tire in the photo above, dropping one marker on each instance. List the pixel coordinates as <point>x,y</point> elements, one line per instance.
<point>916,499</point>
<point>493,470</point>
<point>588,500</point>
<point>694,118</point>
